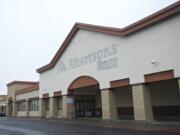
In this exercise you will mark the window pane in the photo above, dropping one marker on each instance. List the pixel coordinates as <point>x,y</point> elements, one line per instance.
<point>21,106</point>
<point>33,105</point>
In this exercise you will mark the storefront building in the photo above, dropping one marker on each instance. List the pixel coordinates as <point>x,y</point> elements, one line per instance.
<point>27,101</point>
<point>3,105</point>
<point>20,96</point>
<point>109,73</point>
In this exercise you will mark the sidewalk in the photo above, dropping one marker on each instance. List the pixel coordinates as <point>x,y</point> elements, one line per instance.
<point>123,124</point>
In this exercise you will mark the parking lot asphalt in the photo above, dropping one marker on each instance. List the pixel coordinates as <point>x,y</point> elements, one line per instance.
<point>28,126</point>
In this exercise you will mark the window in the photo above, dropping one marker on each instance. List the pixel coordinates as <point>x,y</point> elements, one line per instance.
<point>59,103</point>
<point>47,103</point>
<point>21,106</point>
<point>2,109</point>
<point>33,105</point>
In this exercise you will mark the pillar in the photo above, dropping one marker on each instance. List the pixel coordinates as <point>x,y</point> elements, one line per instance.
<point>109,109</point>
<point>142,103</point>
<point>42,110</point>
<point>52,107</point>
<point>14,109</point>
<point>68,107</point>
<point>27,108</point>
<point>7,110</point>
<point>179,84</point>
<point>1,109</point>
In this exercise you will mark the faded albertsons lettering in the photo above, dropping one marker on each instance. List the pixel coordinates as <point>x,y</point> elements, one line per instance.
<point>105,59</point>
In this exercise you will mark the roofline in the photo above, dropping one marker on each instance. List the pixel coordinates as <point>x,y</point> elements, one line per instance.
<point>21,82</point>
<point>28,89</point>
<point>3,95</point>
<point>141,24</point>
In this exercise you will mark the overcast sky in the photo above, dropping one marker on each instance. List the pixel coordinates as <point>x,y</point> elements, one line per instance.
<point>31,31</point>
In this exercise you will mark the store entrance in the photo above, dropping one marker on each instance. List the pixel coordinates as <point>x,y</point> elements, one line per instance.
<point>85,106</point>
<point>87,97</point>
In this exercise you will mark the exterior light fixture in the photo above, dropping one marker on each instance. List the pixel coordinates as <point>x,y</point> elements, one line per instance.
<point>154,62</point>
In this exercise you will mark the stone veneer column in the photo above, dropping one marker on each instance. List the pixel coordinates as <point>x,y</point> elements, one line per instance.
<point>52,107</point>
<point>27,108</point>
<point>142,103</point>
<point>42,110</point>
<point>14,109</point>
<point>109,108</point>
<point>8,110</point>
<point>68,107</point>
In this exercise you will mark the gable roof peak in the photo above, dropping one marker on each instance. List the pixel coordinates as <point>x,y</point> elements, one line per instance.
<point>139,25</point>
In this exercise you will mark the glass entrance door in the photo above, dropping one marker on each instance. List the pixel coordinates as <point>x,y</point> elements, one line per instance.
<point>85,106</point>
<point>90,108</point>
<point>80,108</point>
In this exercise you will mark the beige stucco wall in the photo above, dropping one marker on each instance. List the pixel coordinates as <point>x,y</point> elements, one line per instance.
<point>27,95</point>
<point>3,100</point>
<point>3,103</point>
<point>15,87</point>
<point>134,54</point>
<point>21,113</point>
<point>11,90</point>
<point>59,114</point>
<point>34,113</point>
<point>47,114</point>
<point>3,97</point>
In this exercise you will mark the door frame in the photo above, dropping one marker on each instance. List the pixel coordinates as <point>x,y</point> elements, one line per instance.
<point>84,100</point>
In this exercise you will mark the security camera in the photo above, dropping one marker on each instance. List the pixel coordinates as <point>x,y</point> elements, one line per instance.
<point>153,62</point>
